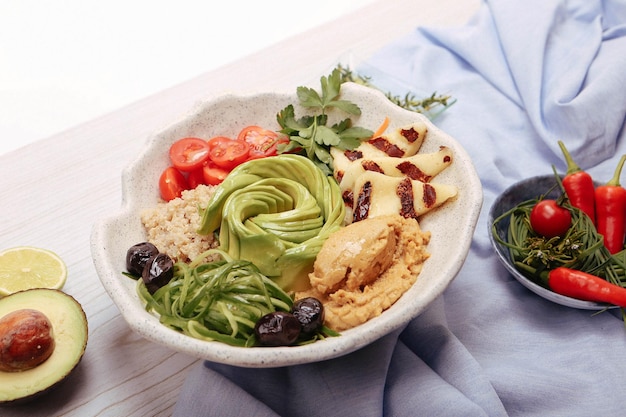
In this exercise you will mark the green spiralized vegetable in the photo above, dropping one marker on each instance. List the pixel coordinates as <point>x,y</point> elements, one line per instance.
<point>276,213</point>
<point>217,301</point>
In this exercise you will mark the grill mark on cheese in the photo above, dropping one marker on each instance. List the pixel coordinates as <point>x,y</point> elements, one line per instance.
<point>411,135</point>
<point>387,147</point>
<point>348,198</point>
<point>413,172</point>
<point>353,155</point>
<point>430,195</point>
<point>404,190</point>
<point>371,166</point>
<point>363,202</point>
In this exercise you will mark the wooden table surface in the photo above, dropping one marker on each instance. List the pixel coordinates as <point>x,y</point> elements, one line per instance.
<point>55,189</point>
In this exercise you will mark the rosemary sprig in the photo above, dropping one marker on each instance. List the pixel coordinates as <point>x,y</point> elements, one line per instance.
<point>425,105</point>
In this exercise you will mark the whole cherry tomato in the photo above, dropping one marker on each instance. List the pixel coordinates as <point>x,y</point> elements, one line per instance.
<point>549,219</point>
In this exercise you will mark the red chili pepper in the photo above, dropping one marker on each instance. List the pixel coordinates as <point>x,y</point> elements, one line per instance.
<point>611,211</point>
<point>579,186</point>
<point>583,286</point>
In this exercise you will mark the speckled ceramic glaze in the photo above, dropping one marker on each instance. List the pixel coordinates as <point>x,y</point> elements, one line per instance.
<point>517,193</point>
<point>452,226</point>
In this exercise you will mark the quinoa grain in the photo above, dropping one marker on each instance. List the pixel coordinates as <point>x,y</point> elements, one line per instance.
<point>171,226</point>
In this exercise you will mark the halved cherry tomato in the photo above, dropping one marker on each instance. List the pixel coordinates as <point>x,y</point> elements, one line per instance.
<point>195,178</point>
<point>188,154</point>
<point>549,219</point>
<point>263,142</point>
<point>213,175</point>
<point>172,183</point>
<point>227,153</point>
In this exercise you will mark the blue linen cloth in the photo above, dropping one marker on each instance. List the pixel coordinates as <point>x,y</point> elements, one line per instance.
<point>525,74</point>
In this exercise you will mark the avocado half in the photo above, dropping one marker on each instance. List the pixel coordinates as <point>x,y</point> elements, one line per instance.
<point>70,332</point>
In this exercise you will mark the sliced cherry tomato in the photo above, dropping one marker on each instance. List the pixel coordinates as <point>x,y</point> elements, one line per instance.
<point>213,175</point>
<point>227,153</point>
<point>195,178</point>
<point>172,183</point>
<point>188,154</point>
<point>263,142</point>
<point>549,219</point>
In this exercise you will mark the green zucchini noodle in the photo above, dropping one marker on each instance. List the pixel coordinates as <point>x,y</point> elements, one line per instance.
<point>220,300</point>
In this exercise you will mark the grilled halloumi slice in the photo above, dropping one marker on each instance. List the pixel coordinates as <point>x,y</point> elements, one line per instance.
<point>421,167</point>
<point>376,194</point>
<point>399,143</point>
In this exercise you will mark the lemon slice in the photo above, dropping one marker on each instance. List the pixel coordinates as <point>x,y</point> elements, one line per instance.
<point>27,267</point>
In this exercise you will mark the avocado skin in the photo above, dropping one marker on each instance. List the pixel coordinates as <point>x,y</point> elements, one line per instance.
<point>66,358</point>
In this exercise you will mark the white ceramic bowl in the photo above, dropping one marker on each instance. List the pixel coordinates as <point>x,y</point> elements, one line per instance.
<point>452,226</point>
<point>517,193</point>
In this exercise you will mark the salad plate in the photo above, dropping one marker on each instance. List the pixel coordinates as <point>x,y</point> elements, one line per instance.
<point>451,225</point>
<point>517,193</point>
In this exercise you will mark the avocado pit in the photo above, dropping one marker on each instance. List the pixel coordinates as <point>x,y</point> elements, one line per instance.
<point>26,340</point>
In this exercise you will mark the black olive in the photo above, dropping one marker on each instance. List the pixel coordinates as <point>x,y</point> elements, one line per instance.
<point>310,313</point>
<point>277,329</point>
<point>157,272</point>
<point>137,256</point>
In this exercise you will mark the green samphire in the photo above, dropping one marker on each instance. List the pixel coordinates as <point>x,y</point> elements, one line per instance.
<point>276,212</point>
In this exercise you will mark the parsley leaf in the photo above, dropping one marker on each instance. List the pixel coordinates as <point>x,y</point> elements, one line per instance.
<point>310,135</point>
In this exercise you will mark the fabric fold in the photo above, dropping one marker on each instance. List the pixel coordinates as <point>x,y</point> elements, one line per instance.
<point>525,74</point>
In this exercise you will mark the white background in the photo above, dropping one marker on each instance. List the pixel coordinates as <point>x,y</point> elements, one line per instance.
<point>63,62</point>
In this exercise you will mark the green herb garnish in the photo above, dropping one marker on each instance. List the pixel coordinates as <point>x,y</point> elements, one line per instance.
<point>310,134</point>
<point>432,105</point>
